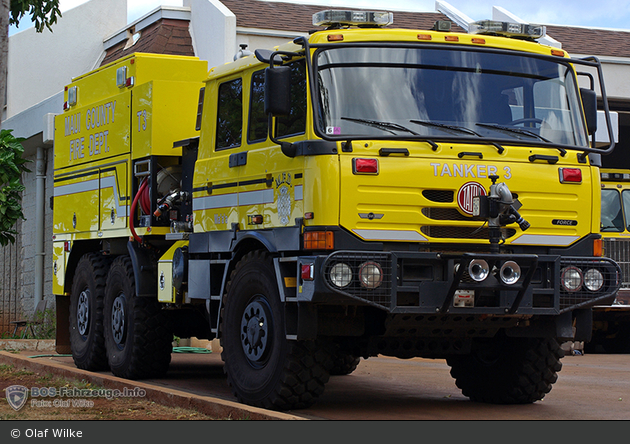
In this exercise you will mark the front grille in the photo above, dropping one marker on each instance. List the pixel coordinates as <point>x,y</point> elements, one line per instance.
<point>382,295</point>
<point>619,251</point>
<point>442,196</point>
<point>583,296</point>
<point>448,232</point>
<point>445,214</point>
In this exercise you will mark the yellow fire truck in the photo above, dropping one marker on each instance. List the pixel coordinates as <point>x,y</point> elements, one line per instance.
<point>611,323</point>
<point>364,190</point>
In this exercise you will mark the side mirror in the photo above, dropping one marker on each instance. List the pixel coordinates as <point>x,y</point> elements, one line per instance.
<point>589,101</point>
<point>278,90</point>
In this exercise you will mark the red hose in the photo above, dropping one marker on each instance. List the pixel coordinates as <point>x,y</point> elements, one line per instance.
<point>143,186</point>
<point>144,200</point>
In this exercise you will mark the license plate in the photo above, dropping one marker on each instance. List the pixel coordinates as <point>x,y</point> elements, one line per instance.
<point>464,298</point>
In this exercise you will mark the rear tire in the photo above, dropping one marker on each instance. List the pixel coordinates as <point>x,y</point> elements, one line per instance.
<point>263,368</point>
<point>138,342</point>
<point>505,370</point>
<point>87,341</point>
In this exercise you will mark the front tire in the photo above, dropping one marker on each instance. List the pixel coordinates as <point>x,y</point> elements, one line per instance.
<point>263,368</point>
<point>505,370</point>
<point>138,342</point>
<point>87,341</point>
<point>343,363</point>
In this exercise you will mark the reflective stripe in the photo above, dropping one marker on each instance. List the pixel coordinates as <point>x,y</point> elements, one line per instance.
<point>93,185</point>
<point>255,197</point>
<point>544,239</point>
<point>75,188</point>
<point>244,198</point>
<point>394,235</point>
<point>210,202</point>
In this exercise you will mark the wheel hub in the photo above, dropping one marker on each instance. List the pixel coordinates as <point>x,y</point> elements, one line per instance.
<point>83,312</point>
<point>255,331</point>
<point>118,319</point>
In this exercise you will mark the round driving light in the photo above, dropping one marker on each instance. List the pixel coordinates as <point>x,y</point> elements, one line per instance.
<point>593,279</point>
<point>510,272</point>
<point>370,275</point>
<point>341,275</point>
<point>571,279</point>
<point>478,269</point>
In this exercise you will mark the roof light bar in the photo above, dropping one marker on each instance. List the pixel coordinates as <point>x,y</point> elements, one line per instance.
<point>72,96</point>
<point>522,30</point>
<point>353,18</point>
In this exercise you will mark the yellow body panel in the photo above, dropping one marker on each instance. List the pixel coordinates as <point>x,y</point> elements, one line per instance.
<point>166,291</point>
<point>59,268</point>
<point>98,138</point>
<point>397,193</point>
<point>93,133</point>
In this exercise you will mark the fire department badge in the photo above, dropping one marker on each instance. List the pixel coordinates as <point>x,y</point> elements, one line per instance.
<point>17,396</point>
<point>465,196</point>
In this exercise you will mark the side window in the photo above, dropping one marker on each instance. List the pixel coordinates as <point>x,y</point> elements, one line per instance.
<point>258,120</point>
<point>295,123</point>
<point>230,114</point>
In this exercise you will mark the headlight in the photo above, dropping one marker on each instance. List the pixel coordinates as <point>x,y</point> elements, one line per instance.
<point>341,275</point>
<point>370,275</point>
<point>593,279</point>
<point>571,279</point>
<point>478,270</point>
<point>510,273</point>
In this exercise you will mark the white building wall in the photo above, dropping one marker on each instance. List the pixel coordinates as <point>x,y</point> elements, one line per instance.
<point>213,31</point>
<point>41,64</point>
<point>261,39</point>
<point>28,235</point>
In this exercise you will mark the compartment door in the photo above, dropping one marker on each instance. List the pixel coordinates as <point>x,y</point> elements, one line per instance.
<point>114,199</point>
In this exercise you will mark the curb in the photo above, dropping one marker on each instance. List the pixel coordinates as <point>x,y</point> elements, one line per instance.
<point>173,398</point>
<point>28,344</point>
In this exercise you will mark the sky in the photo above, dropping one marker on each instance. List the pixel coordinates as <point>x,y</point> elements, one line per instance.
<point>610,14</point>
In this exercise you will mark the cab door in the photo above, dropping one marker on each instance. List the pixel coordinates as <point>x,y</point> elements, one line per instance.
<point>270,183</point>
<point>215,183</point>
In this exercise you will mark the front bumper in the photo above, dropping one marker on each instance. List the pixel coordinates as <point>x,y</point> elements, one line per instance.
<point>419,282</point>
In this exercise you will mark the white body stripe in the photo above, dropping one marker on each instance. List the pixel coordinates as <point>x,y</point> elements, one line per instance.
<point>93,185</point>
<point>392,235</point>
<point>255,197</point>
<point>244,198</point>
<point>544,239</point>
<point>75,188</point>
<point>210,202</point>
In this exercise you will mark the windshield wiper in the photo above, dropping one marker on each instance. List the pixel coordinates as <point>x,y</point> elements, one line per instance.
<point>513,130</point>
<point>385,126</point>
<point>447,128</point>
<point>457,129</point>
<point>520,131</point>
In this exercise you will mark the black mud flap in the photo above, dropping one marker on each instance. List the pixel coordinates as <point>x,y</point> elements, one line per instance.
<point>144,270</point>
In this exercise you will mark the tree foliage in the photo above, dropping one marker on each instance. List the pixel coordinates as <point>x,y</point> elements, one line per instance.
<point>11,167</point>
<point>44,13</point>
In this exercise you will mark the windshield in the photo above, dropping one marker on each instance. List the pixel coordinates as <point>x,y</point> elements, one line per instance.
<point>389,92</point>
